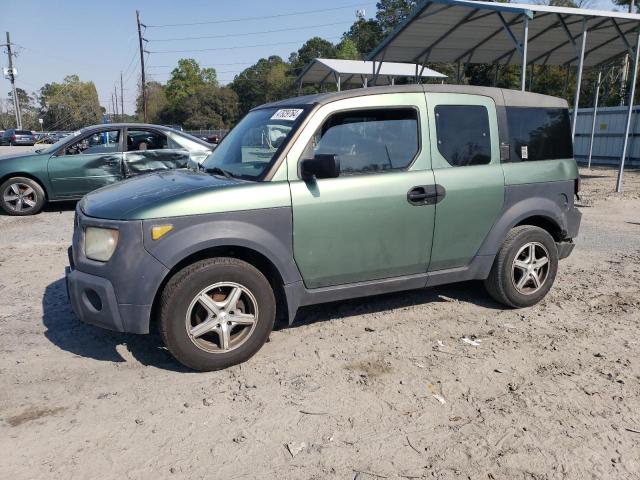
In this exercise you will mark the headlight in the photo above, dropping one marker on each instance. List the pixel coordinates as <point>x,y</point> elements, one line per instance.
<point>100,243</point>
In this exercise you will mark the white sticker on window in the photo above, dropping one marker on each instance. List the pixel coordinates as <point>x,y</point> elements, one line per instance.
<point>289,114</point>
<point>524,152</point>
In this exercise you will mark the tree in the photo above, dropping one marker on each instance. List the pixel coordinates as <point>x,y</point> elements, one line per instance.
<point>348,50</point>
<point>156,102</point>
<point>315,47</point>
<point>187,78</point>
<point>209,107</point>
<point>390,13</point>
<point>366,34</point>
<point>267,80</point>
<point>69,105</point>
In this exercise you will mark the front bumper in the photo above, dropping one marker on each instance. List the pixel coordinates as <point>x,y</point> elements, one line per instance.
<point>118,294</point>
<point>93,300</point>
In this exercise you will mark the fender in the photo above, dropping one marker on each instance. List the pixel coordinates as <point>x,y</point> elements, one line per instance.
<point>551,200</point>
<point>267,231</point>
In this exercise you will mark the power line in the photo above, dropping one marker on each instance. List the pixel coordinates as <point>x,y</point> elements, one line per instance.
<point>242,19</point>
<point>237,47</point>
<point>242,34</point>
<point>203,66</point>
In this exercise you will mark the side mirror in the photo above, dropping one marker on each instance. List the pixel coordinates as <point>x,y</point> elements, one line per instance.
<point>323,165</point>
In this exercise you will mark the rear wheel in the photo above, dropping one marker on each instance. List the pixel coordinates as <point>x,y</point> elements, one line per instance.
<point>216,313</point>
<point>525,268</point>
<point>21,196</point>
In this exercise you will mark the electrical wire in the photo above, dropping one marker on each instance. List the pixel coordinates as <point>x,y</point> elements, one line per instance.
<point>243,19</point>
<point>242,34</point>
<point>237,47</point>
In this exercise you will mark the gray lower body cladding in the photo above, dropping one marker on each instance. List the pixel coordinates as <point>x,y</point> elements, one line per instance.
<point>127,285</point>
<point>120,294</point>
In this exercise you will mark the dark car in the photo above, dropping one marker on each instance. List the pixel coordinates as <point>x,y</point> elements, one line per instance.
<point>92,158</point>
<point>18,137</point>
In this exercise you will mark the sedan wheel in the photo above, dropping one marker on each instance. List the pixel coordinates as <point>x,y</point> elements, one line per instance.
<point>21,196</point>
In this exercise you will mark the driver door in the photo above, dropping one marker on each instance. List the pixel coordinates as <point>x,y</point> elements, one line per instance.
<point>364,225</point>
<point>91,162</point>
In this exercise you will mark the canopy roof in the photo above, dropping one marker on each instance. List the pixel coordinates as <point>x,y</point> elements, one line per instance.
<point>486,32</point>
<point>356,71</point>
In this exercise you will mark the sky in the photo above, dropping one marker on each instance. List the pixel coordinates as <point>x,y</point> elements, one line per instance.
<point>98,40</point>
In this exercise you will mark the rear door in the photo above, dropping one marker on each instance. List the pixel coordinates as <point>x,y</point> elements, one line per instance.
<point>466,165</point>
<point>150,150</point>
<point>363,225</point>
<point>90,162</point>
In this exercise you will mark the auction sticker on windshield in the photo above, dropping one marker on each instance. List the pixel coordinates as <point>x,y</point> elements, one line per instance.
<point>289,114</point>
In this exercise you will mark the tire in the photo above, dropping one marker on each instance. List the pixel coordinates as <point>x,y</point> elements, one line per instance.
<point>510,281</point>
<point>184,306</point>
<point>21,196</point>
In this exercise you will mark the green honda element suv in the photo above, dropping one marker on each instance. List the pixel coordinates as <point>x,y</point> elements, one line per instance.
<point>328,197</point>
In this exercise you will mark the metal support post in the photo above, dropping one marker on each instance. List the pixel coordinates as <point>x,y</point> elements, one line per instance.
<point>523,73</point>
<point>593,122</point>
<point>632,92</point>
<point>579,79</point>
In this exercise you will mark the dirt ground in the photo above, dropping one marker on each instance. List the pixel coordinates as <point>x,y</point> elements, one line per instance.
<point>373,388</point>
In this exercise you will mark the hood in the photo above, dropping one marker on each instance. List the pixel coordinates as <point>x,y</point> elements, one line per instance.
<point>131,198</point>
<point>18,155</point>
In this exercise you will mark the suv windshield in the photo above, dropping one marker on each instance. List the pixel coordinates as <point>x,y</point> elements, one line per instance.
<point>249,150</point>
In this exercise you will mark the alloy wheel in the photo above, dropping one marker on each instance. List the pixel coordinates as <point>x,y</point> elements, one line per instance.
<point>221,317</point>
<point>20,197</point>
<point>530,268</point>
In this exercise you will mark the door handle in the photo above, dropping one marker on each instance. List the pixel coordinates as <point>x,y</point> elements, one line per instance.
<point>426,194</point>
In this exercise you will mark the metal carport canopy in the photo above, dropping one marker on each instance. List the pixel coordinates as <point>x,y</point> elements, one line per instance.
<point>504,33</point>
<point>357,72</point>
<point>487,32</point>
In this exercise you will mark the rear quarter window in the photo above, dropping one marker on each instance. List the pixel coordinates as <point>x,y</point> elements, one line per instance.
<point>539,133</point>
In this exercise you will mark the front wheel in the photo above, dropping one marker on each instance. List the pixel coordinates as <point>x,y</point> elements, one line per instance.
<point>525,268</point>
<point>216,313</point>
<point>21,196</point>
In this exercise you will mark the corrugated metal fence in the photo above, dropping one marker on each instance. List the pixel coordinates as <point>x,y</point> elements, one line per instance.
<point>609,135</point>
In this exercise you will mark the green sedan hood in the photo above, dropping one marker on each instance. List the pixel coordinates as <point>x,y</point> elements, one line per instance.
<point>179,193</point>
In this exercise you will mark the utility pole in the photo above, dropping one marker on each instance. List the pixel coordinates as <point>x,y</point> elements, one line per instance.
<point>12,79</point>
<point>121,98</point>
<point>115,97</point>
<point>144,86</point>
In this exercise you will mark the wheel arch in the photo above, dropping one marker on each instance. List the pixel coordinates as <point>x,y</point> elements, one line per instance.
<point>536,211</point>
<point>250,255</point>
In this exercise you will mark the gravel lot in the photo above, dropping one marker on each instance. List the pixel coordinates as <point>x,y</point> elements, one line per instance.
<point>372,388</point>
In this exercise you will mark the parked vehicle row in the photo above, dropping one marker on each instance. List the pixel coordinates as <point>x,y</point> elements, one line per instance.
<point>327,197</point>
<point>15,137</point>
<point>92,158</point>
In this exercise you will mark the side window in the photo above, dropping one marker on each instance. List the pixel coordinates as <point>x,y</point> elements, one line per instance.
<point>107,141</point>
<point>368,141</point>
<point>539,133</point>
<point>463,134</point>
<point>141,140</point>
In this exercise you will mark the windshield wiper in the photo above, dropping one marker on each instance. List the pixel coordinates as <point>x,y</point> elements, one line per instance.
<point>219,171</point>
